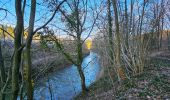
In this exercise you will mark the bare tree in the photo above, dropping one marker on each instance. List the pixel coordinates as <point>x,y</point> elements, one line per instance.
<point>75,19</point>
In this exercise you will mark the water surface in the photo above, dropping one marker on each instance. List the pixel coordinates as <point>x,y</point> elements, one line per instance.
<point>65,84</point>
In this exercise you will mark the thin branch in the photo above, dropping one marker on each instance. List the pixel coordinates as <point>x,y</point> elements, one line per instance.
<point>60,46</point>
<point>92,26</point>
<point>6,32</point>
<point>68,19</point>
<point>5,13</point>
<point>57,8</point>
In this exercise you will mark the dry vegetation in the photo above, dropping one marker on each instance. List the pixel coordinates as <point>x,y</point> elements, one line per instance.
<point>131,37</point>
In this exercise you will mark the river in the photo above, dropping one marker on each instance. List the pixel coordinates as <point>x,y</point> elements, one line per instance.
<point>65,84</point>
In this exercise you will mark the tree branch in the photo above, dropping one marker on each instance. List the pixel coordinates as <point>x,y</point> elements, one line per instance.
<point>57,8</point>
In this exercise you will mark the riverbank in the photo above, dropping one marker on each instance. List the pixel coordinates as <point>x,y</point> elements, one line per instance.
<point>49,65</point>
<point>154,83</point>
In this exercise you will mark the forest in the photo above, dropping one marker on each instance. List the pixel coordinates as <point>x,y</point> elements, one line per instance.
<point>84,49</point>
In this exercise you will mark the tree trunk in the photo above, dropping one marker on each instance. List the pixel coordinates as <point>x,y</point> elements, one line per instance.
<point>162,22</point>
<point>27,67</point>
<point>118,46</point>
<point>2,69</point>
<point>22,56</point>
<point>79,50</point>
<point>110,32</point>
<point>83,84</point>
<point>79,67</point>
<point>141,19</point>
<point>27,53</point>
<point>2,74</point>
<point>126,28</point>
<point>17,50</point>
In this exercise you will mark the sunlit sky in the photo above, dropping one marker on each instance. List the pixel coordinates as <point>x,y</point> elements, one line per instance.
<point>11,16</point>
<point>43,14</point>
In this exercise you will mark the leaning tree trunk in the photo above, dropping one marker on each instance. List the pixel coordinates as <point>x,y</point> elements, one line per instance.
<point>17,50</point>
<point>79,67</point>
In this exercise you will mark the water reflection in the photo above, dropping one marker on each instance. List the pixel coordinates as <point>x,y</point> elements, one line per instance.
<point>65,84</point>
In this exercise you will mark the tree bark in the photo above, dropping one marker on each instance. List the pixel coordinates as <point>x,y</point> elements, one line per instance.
<point>2,69</point>
<point>141,19</point>
<point>79,49</point>
<point>2,74</point>
<point>79,67</point>
<point>17,50</point>
<point>118,46</point>
<point>27,53</point>
<point>126,27</point>
<point>110,32</point>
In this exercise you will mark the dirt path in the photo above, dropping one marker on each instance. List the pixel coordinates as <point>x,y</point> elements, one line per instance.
<point>154,54</point>
<point>163,55</point>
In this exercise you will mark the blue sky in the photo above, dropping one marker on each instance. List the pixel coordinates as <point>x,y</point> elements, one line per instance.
<point>43,14</point>
<point>11,16</point>
<point>41,11</point>
<point>7,4</point>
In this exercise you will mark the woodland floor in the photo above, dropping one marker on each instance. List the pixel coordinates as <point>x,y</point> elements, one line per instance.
<point>154,83</point>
